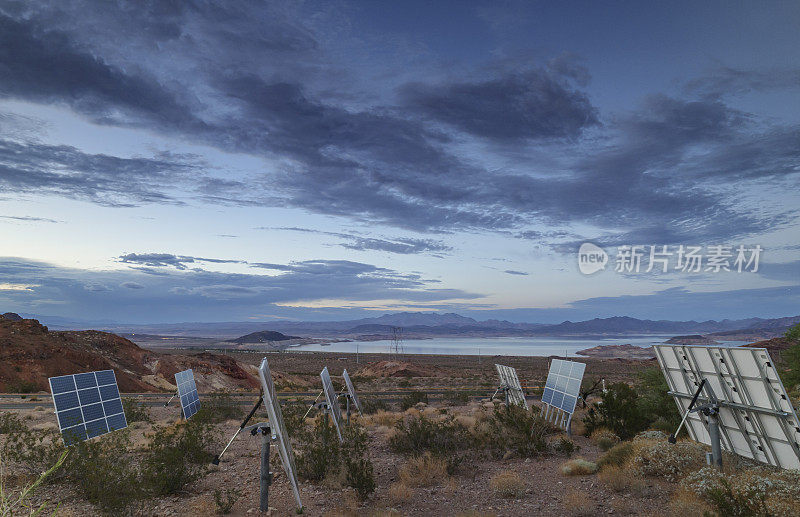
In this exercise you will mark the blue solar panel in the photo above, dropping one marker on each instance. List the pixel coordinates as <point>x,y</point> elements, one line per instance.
<point>87,405</point>
<point>187,392</point>
<point>563,384</point>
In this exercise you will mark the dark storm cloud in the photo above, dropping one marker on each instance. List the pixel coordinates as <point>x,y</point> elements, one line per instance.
<point>32,167</point>
<point>256,90</point>
<point>192,294</point>
<point>46,66</point>
<point>534,104</point>
<point>400,245</point>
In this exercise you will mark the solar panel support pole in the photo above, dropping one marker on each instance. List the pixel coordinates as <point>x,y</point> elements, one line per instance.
<point>170,399</point>
<point>215,461</point>
<point>313,404</point>
<point>266,476</point>
<point>713,433</point>
<point>348,408</point>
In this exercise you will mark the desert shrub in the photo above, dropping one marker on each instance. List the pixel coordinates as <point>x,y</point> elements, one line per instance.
<point>224,500</point>
<point>413,398</point>
<point>370,405</point>
<point>318,450</point>
<point>507,484</point>
<point>358,471</point>
<point>386,418</point>
<point>33,451</point>
<point>655,403</point>
<point>135,411</point>
<point>423,470</point>
<point>578,467</point>
<point>618,411</point>
<point>447,439</point>
<point>616,456</point>
<point>19,503</point>
<point>322,454</point>
<point>565,446</point>
<point>10,423</point>
<point>221,406</point>
<point>293,414</point>
<point>512,428</point>
<point>457,398</point>
<point>104,472</point>
<point>652,435</point>
<point>22,386</point>
<point>666,460</point>
<point>604,438</point>
<point>758,492</point>
<point>790,374</point>
<point>578,504</point>
<point>178,455</point>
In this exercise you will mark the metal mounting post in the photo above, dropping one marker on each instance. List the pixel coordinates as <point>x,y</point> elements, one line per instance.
<point>170,399</point>
<point>713,433</point>
<point>348,409</point>
<point>265,431</point>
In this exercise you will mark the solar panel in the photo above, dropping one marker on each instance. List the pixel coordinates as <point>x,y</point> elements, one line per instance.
<point>510,384</point>
<point>187,392</point>
<point>755,416</point>
<point>333,400</point>
<point>87,405</point>
<point>563,385</point>
<point>278,427</point>
<point>351,390</point>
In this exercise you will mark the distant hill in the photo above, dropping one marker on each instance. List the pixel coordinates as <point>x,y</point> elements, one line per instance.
<point>30,353</point>
<point>264,336</point>
<point>11,316</point>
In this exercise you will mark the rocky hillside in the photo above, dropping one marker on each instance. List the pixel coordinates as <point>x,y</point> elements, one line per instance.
<point>30,353</point>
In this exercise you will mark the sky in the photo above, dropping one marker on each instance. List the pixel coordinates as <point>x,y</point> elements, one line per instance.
<point>257,161</point>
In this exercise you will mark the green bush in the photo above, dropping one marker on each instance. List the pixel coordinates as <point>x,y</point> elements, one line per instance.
<point>656,405</point>
<point>221,406</point>
<point>11,504</point>
<point>565,446</point>
<point>318,450</point>
<point>619,411</point>
<point>733,503</point>
<point>34,451</point>
<point>512,428</point>
<point>10,423</point>
<point>790,374</point>
<point>135,411</point>
<point>105,473</point>
<point>371,405</point>
<point>320,454</point>
<point>177,456</point>
<point>448,440</point>
<point>667,460</point>
<point>413,398</point>
<point>22,386</point>
<point>457,398</point>
<point>224,501</point>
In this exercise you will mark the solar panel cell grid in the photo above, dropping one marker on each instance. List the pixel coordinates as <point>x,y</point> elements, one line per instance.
<point>563,384</point>
<point>187,393</point>
<point>86,403</point>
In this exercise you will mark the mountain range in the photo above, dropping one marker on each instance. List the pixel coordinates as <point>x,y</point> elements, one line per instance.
<point>425,324</point>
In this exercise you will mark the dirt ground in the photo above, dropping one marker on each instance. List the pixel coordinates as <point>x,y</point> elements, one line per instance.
<point>546,490</point>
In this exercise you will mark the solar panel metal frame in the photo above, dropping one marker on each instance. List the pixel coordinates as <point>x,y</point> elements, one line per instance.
<point>278,427</point>
<point>756,416</point>
<point>87,405</point>
<point>332,399</point>
<point>562,391</point>
<point>510,383</point>
<point>352,391</point>
<point>187,393</point>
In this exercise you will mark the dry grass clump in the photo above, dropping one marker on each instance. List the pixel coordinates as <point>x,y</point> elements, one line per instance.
<point>424,470</point>
<point>507,484</point>
<point>670,461</point>
<point>616,456</point>
<point>400,493</point>
<point>578,504</point>
<point>619,479</point>
<point>685,503</point>
<point>384,418</point>
<point>604,438</point>
<point>578,467</point>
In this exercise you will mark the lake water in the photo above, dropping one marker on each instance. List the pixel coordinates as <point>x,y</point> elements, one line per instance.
<point>524,346</point>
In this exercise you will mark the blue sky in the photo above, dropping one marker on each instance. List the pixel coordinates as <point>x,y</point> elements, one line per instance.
<point>192,161</point>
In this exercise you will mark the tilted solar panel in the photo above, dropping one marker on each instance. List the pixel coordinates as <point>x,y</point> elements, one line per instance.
<point>187,392</point>
<point>351,390</point>
<point>755,415</point>
<point>278,427</point>
<point>87,405</point>
<point>333,400</point>
<point>510,382</point>
<point>563,385</point>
